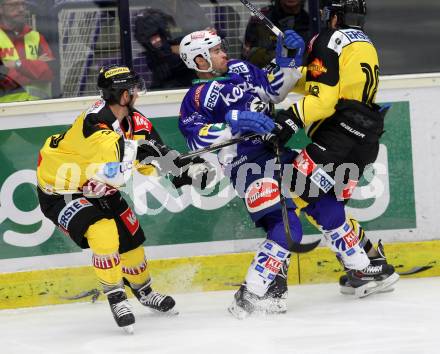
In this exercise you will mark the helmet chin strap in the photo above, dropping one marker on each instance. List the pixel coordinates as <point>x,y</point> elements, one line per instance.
<point>210,69</point>
<point>216,73</point>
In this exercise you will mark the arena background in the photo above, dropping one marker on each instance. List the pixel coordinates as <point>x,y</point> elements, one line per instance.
<point>397,202</point>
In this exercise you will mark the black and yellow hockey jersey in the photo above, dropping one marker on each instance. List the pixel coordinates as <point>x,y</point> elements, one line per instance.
<point>95,140</point>
<point>341,64</point>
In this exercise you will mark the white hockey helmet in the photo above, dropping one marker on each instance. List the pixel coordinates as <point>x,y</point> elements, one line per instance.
<point>198,43</point>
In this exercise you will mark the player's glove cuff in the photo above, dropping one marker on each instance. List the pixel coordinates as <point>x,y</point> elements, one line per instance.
<point>286,125</point>
<point>195,171</point>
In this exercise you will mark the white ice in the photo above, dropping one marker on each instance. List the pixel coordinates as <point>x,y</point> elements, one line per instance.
<point>319,320</point>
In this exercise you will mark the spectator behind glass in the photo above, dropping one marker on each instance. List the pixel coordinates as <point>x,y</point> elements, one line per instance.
<point>159,29</point>
<point>259,41</point>
<point>25,73</point>
<point>152,32</point>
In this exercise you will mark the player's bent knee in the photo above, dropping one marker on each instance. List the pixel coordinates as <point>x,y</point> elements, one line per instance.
<point>274,225</point>
<point>103,236</point>
<point>103,239</point>
<point>327,212</point>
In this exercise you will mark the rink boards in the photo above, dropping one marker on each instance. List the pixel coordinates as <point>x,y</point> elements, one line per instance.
<point>202,242</point>
<point>201,273</point>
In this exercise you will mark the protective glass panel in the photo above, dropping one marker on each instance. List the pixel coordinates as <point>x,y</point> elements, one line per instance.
<point>54,48</point>
<point>159,25</point>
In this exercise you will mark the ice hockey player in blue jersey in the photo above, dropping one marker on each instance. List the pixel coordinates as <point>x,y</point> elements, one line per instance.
<point>231,98</point>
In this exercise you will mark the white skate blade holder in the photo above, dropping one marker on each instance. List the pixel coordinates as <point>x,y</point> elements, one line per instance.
<point>375,286</point>
<point>128,329</point>
<point>349,290</point>
<point>170,313</point>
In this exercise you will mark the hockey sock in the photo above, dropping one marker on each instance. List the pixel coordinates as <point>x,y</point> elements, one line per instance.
<point>344,241</point>
<point>135,268</point>
<point>364,242</point>
<point>103,239</point>
<point>266,264</point>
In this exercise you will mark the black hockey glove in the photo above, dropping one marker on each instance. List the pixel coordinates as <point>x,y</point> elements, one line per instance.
<point>186,171</point>
<point>286,125</point>
<point>149,149</point>
<point>161,156</point>
<point>195,171</point>
<point>360,121</point>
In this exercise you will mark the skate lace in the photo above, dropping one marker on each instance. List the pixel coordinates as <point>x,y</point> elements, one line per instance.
<point>373,269</point>
<point>122,308</point>
<point>152,299</point>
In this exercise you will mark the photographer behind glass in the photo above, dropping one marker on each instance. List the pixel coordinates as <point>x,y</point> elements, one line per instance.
<point>162,57</point>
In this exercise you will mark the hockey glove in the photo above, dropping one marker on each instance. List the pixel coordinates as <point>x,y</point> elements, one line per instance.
<point>161,156</point>
<point>246,121</point>
<point>289,50</point>
<point>363,122</point>
<point>187,171</point>
<point>286,125</point>
<point>195,171</point>
<point>149,149</point>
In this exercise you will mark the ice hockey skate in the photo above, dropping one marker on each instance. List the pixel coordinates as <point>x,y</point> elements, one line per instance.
<point>162,304</point>
<point>379,276</point>
<point>246,303</point>
<point>121,309</point>
<point>265,289</point>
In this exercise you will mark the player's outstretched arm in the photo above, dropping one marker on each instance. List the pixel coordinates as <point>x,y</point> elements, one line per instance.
<point>185,170</point>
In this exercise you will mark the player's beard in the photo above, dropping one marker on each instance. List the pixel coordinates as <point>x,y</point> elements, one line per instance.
<point>221,71</point>
<point>130,104</point>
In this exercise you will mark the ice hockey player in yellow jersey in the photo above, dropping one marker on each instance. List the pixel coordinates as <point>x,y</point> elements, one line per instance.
<point>338,111</point>
<point>80,173</point>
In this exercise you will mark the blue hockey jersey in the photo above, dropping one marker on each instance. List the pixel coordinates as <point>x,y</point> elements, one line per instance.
<point>245,88</point>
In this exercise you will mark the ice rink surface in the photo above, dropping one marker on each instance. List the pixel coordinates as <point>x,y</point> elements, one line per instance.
<point>319,320</point>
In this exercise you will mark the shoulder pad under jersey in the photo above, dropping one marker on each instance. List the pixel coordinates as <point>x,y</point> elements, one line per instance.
<point>343,37</point>
<point>98,117</point>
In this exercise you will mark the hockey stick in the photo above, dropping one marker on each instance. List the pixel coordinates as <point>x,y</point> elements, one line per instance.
<point>411,271</point>
<point>215,147</point>
<point>415,270</point>
<point>268,23</point>
<point>94,293</point>
<point>293,246</point>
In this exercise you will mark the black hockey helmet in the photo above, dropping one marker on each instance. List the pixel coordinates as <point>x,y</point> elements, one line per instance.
<point>113,80</point>
<point>351,13</point>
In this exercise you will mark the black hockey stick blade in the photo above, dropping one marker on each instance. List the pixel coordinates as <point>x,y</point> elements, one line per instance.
<point>304,247</point>
<point>94,293</point>
<point>215,147</point>
<point>415,270</point>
